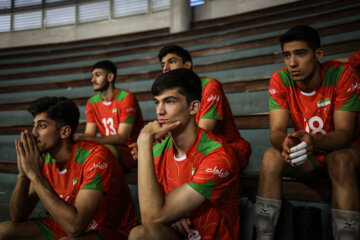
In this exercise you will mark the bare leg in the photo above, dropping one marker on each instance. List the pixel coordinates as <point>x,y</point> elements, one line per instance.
<point>155,231</point>
<point>23,230</point>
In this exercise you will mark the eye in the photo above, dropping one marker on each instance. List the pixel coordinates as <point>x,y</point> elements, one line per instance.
<point>172,61</point>
<point>286,55</point>
<point>170,101</point>
<point>42,126</point>
<point>156,102</point>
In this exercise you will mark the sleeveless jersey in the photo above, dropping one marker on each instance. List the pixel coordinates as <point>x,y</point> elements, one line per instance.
<point>215,105</point>
<point>92,166</point>
<point>211,169</point>
<point>123,108</point>
<point>314,112</point>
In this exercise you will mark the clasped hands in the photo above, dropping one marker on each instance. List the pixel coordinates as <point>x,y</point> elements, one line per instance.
<point>29,159</point>
<point>297,146</point>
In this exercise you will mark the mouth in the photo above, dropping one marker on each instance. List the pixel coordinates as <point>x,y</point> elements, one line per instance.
<point>161,121</point>
<point>295,73</point>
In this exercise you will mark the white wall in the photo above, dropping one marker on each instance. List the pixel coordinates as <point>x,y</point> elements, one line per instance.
<point>213,9</point>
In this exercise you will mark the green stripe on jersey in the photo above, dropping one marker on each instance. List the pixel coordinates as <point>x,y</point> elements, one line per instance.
<point>204,81</point>
<point>206,144</point>
<point>49,159</point>
<point>81,154</point>
<point>159,148</point>
<point>94,184</point>
<point>204,189</point>
<point>332,75</point>
<point>130,119</point>
<point>286,78</point>
<point>121,95</point>
<point>273,104</point>
<point>212,113</point>
<point>353,104</point>
<point>95,99</point>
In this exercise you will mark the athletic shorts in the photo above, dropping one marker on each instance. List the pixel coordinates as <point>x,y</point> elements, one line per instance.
<point>242,152</point>
<point>318,160</point>
<point>124,156</point>
<point>52,231</point>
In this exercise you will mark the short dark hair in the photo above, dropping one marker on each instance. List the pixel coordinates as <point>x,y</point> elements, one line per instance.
<point>177,50</point>
<point>107,66</point>
<point>302,33</point>
<point>186,80</point>
<point>60,109</point>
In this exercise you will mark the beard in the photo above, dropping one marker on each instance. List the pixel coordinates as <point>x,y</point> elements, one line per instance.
<point>103,87</point>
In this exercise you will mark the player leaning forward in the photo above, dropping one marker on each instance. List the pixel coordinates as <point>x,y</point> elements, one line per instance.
<point>323,101</point>
<point>196,171</point>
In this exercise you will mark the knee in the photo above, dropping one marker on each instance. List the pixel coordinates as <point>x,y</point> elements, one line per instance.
<point>5,229</point>
<point>139,232</point>
<point>272,162</point>
<point>340,165</point>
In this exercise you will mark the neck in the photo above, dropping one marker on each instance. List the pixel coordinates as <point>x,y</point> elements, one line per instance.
<point>312,82</point>
<point>62,153</point>
<point>107,94</point>
<point>184,138</point>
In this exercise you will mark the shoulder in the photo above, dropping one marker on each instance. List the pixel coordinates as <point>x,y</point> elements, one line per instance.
<point>95,99</point>
<point>85,150</point>
<point>210,82</point>
<point>338,73</point>
<point>121,94</point>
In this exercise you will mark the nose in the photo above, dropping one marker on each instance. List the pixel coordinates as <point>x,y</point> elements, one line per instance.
<point>160,110</point>
<point>92,79</point>
<point>166,68</point>
<point>293,61</point>
<point>34,131</point>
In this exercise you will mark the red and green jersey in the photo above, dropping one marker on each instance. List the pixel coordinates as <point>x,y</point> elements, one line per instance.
<point>354,59</point>
<point>122,108</point>
<point>314,112</point>
<point>93,167</point>
<point>215,105</point>
<point>211,169</point>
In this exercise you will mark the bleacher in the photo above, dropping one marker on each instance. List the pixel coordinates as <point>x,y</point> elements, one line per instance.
<point>241,51</point>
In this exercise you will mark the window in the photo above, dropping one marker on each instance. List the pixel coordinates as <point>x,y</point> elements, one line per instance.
<point>5,4</point>
<point>27,20</point>
<point>125,7</point>
<point>157,5</point>
<point>5,21</point>
<point>94,11</point>
<point>196,2</point>
<point>26,3</point>
<point>60,16</point>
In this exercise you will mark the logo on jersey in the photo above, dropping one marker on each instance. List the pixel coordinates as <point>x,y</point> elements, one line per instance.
<point>101,166</point>
<point>92,225</point>
<point>216,171</point>
<point>194,235</point>
<point>130,110</point>
<point>354,87</point>
<point>114,110</point>
<point>213,98</point>
<point>323,103</point>
<point>272,91</point>
<point>192,171</point>
<point>75,181</point>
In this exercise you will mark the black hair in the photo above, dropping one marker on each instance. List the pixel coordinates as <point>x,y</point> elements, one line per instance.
<point>186,80</point>
<point>60,109</point>
<point>108,66</point>
<point>177,50</point>
<point>302,33</point>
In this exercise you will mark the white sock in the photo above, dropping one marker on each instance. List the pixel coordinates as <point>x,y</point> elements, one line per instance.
<point>346,224</point>
<point>266,216</point>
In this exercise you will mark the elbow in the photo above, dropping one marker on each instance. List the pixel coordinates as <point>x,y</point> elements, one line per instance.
<point>150,218</point>
<point>74,230</point>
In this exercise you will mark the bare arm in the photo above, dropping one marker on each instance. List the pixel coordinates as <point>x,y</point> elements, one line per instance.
<point>23,200</point>
<point>73,218</point>
<point>341,137</point>
<point>207,124</point>
<point>154,206</point>
<point>279,119</point>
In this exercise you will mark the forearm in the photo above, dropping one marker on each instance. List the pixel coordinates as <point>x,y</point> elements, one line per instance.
<point>277,139</point>
<point>20,205</point>
<point>62,212</point>
<point>151,198</point>
<point>331,141</point>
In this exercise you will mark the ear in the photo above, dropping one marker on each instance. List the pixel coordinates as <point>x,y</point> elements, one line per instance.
<point>194,107</point>
<point>188,65</point>
<point>110,77</point>
<point>319,54</point>
<point>65,132</point>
